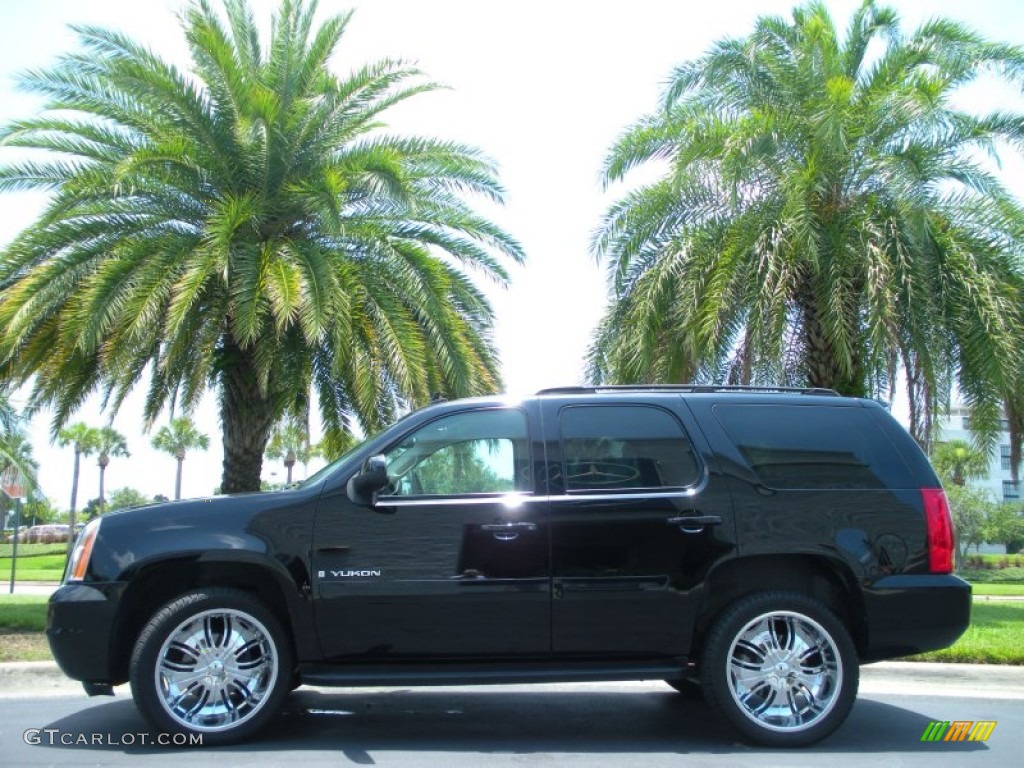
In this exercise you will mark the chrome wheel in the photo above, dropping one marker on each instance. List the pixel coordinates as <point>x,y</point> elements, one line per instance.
<point>785,672</point>
<point>216,670</point>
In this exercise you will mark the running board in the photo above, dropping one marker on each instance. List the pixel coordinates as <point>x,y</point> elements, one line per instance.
<point>354,675</point>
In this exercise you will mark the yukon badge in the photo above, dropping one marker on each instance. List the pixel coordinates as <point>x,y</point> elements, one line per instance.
<point>365,573</point>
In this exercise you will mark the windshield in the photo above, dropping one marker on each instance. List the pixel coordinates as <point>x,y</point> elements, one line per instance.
<point>320,474</point>
<point>323,472</point>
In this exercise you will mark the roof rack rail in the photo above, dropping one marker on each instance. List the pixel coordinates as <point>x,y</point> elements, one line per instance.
<point>688,388</point>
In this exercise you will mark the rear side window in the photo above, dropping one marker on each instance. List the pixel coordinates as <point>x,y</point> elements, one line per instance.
<point>814,447</point>
<point>620,447</point>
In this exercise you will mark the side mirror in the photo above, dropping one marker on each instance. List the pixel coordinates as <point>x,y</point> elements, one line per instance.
<point>362,487</point>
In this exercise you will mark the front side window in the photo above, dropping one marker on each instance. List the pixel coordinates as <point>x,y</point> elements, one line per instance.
<point>624,447</point>
<point>466,453</point>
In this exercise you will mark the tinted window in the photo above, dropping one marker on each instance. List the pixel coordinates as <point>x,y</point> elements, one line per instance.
<point>465,453</point>
<point>624,447</point>
<point>793,446</point>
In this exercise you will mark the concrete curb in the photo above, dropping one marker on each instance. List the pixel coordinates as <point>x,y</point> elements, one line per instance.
<point>34,678</point>
<point>987,681</point>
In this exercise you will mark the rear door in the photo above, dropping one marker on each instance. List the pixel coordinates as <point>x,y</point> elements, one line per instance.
<point>638,517</point>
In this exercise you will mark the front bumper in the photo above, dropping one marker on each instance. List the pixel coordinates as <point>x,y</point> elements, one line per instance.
<point>80,622</point>
<point>912,614</point>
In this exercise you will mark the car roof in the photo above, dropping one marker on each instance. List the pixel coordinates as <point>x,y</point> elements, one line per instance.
<point>653,392</point>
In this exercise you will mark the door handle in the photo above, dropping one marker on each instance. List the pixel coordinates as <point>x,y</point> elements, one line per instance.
<point>507,531</point>
<point>694,523</point>
<point>509,526</point>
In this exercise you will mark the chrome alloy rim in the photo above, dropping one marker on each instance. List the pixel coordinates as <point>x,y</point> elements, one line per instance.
<point>216,669</point>
<point>784,671</point>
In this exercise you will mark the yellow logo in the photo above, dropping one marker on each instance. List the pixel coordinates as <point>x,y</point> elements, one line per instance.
<point>958,730</point>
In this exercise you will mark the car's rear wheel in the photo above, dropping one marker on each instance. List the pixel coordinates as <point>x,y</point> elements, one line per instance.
<point>213,662</point>
<point>781,668</point>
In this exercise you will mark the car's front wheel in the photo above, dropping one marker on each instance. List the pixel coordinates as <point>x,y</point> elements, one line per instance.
<point>781,667</point>
<point>213,662</point>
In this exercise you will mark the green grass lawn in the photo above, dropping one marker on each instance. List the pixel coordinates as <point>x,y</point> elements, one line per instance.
<point>24,613</point>
<point>994,636</point>
<point>22,620</point>
<point>1016,590</point>
<point>32,550</point>
<point>34,567</point>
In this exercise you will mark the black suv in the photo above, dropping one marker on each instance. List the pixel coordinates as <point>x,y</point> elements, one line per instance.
<point>757,544</point>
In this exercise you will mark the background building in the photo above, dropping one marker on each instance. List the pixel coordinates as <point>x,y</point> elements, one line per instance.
<point>999,480</point>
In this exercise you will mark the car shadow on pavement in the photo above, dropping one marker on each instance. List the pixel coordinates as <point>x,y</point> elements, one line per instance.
<point>488,721</point>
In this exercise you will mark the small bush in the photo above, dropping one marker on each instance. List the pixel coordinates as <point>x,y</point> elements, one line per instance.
<point>991,562</point>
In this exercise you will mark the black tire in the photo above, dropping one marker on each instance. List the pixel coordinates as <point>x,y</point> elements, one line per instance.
<point>226,674</point>
<point>781,667</point>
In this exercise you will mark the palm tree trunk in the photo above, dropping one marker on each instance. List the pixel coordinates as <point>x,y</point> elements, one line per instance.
<point>247,416</point>
<point>74,500</point>
<point>824,368</point>
<point>103,502</point>
<point>177,480</point>
<point>74,482</point>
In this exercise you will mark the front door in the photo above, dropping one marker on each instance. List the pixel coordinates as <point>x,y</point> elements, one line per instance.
<point>453,559</point>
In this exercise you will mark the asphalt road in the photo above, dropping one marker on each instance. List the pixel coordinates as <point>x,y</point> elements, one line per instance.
<point>609,724</point>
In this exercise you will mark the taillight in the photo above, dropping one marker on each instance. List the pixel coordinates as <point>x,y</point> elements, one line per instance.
<point>939,524</point>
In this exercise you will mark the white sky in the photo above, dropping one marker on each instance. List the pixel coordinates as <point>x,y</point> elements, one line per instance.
<point>541,87</point>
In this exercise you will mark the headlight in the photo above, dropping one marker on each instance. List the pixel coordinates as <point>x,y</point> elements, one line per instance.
<point>78,563</point>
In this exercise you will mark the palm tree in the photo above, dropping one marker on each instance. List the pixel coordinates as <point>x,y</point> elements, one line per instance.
<point>245,225</point>
<point>824,219</point>
<point>289,441</point>
<point>176,439</point>
<point>16,462</point>
<point>957,461</point>
<point>18,470</point>
<point>83,439</point>
<point>109,442</point>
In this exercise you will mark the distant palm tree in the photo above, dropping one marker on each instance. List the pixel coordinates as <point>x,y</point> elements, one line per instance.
<point>823,220</point>
<point>109,442</point>
<point>289,441</point>
<point>957,461</point>
<point>177,439</point>
<point>17,466</point>
<point>83,439</point>
<point>16,462</point>
<point>245,225</point>
<point>321,450</point>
